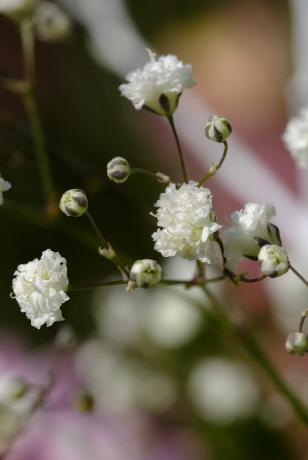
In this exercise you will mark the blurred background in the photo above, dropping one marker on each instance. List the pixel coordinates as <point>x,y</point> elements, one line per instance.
<point>165,383</point>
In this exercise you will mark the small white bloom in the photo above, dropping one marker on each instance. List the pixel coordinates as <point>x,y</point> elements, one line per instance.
<point>146,273</point>
<point>16,8</point>
<point>248,223</point>
<point>297,343</point>
<point>187,222</point>
<point>295,138</point>
<point>40,288</point>
<point>273,260</point>
<point>4,187</point>
<point>51,22</point>
<point>223,391</point>
<point>158,84</point>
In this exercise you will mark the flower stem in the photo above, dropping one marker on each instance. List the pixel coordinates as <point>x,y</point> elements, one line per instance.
<point>98,286</point>
<point>215,167</point>
<point>298,275</point>
<point>302,321</point>
<point>160,177</point>
<point>256,352</point>
<point>179,148</point>
<point>29,101</point>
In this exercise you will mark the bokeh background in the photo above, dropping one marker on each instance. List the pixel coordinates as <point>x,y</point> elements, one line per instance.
<point>166,384</point>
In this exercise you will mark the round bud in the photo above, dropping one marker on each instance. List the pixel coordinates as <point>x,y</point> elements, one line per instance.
<point>146,273</point>
<point>297,343</point>
<point>273,260</point>
<point>218,129</point>
<point>17,9</point>
<point>118,170</point>
<point>74,203</point>
<point>51,22</point>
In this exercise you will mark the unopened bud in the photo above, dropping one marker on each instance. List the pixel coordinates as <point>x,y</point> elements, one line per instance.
<point>146,273</point>
<point>297,343</point>
<point>218,129</point>
<point>162,178</point>
<point>74,203</point>
<point>109,253</point>
<point>118,170</point>
<point>273,260</point>
<point>17,9</point>
<point>51,23</point>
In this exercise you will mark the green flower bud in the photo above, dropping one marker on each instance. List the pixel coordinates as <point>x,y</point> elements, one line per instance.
<point>273,260</point>
<point>17,10</point>
<point>74,203</point>
<point>218,129</point>
<point>145,273</point>
<point>118,170</point>
<point>297,343</point>
<point>51,23</point>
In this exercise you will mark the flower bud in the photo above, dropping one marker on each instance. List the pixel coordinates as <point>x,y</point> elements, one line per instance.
<point>297,343</point>
<point>17,9</point>
<point>145,273</point>
<point>118,170</point>
<point>273,260</point>
<point>218,129</point>
<point>109,253</point>
<point>74,202</point>
<point>51,22</point>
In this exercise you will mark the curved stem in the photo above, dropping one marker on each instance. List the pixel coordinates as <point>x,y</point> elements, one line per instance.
<point>302,321</point>
<point>256,352</point>
<point>98,286</point>
<point>179,148</point>
<point>296,272</point>
<point>215,167</point>
<point>160,177</point>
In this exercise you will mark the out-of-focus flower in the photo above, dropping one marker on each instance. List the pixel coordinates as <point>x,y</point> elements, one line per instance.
<point>248,223</point>
<point>159,84</point>
<point>51,23</point>
<point>17,8</point>
<point>295,138</point>
<point>118,170</point>
<point>187,221</point>
<point>74,202</point>
<point>4,187</point>
<point>40,288</point>
<point>145,273</point>
<point>218,129</point>
<point>223,391</point>
<point>121,384</point>
<point>273,260</point>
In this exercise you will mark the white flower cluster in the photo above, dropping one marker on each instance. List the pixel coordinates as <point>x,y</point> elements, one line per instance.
<point>4,187</point>
<point>40,288</point>
<point>248,223</point>
<point>187,221</point>
<point>295,138</point>
<point>165,77</point>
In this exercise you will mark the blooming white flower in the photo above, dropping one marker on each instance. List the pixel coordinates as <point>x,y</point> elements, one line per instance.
<point>295,138</point>
<point>16,8</point>
<point>187,222</point>
<point>158,84</point>
<point>40,288</point>
<point>51,23</point>
<point>4,187</point>
<point>248,223</point>
<point>223,391</point>
<point>273,260</point>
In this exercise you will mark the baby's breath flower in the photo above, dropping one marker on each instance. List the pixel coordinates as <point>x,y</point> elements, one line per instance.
<point>248,223</point>
<point>273,260</point>
<point>118,170</point>
<point>40,288</point>
<point>17,8</point>
<point>186,220</point>
<point>146,273</point>
<point>74,202</point>
<point>218,129</point>
<point>297,343</point>
<point>4,187</point>
<point>159,84</point>
<point>295,138</point>
<point>51,23</point>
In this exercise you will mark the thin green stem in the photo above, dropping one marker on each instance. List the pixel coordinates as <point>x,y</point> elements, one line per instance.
<point>29,101</point>
<point>98,286</point>
<point>302,321</point>
<point>296,272</point>
<point>256,352</point>
<point>179,148</point>
<point>160,177</point>
<point>215,167</point>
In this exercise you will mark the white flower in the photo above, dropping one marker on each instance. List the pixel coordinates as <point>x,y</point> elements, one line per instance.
<point>16,7</point>
<point>40,288</point>
<point>51,22</point>
<point>295,138</point>
<point>223,391</point>
<point>4,187</point>
<point>187,222</point>
<point>158,84</point>
<point>248,223</point>
<point>273,260</point>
